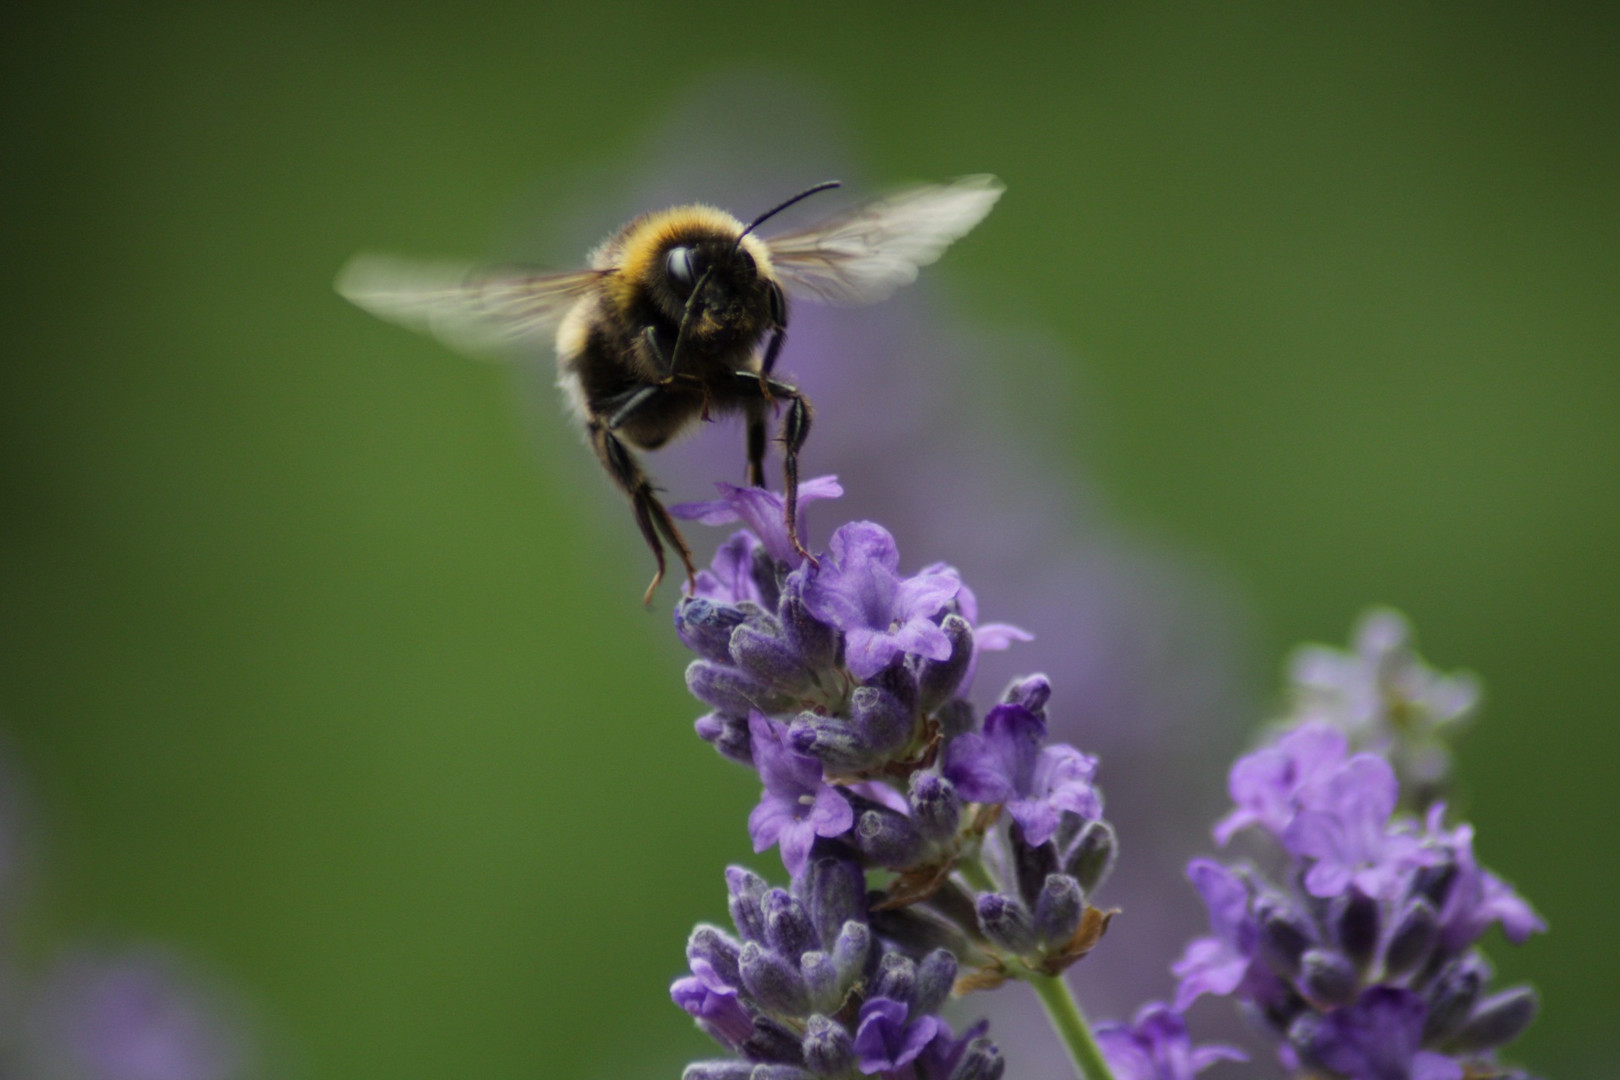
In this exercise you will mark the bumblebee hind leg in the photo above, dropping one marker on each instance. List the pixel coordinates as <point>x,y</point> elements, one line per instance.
<point>656,526</point>
<point>759,390</point>
<point>756,444</point>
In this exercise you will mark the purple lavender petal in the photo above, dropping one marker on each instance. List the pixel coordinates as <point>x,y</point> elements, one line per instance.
<point>997,764</point>
<point>1264,784</point>
<point>796,805</point>
<point>1156,1046</point>
<point>730,578</point>
<point>760,510</point>
<point>717,1011</point>
<point>857,589</point>
<point>1344,825</point>
<point>1477,898</point>
<point>1378,1037</point>
<point>1216,965</point>
<point>885,1041</point>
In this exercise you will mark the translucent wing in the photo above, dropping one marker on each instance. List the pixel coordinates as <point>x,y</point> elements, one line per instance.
<point>865,254</point>
<point>468,308</point>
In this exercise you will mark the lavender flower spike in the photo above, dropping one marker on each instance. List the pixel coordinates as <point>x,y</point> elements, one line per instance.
<point>1360,958</point>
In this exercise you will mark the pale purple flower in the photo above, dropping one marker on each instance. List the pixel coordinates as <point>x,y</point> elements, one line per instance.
<point>1344,825</point>
<point>1155,1046</point>
<point>135,1016</point>
<point>885,1040</point>
<point>857,588</point>
<point>716,1009</point>
<point>760,510</point>
<point>1379,1038</point>
<point>1264,784</point>
<point>1007,763</point>
<point>987,637</point>
<point>939,1058</point>
<point>1477,898</point>
<point>796,806</point>
<point>730,576</point>
<point>1380,684</point>
<point>1217,964</point>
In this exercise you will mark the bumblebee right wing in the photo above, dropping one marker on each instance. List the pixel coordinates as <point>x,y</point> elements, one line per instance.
<point>471,309</point>
<point>864,254</point>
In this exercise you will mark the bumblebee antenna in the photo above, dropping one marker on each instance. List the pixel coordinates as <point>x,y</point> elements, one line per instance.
<point>825,185</point>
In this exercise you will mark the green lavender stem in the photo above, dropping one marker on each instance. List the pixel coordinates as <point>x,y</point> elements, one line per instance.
<point>1070,1024</point>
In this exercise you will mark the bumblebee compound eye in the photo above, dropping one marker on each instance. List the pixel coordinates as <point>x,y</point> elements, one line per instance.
<point>684,266</point>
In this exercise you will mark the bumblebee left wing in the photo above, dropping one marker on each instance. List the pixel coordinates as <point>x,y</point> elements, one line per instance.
<point>468,308</point>
<point>865,254</point>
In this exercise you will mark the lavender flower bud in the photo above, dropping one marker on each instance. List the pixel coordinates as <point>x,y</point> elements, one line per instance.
<point>1327,978</point>
<point>956,717</point>
<point>788,928</point>
<point>1498,1019</point>
<point>839,745</point>
<point>773,1042</point>
<point>727,734</point>
<point>769,658</point>
<point>1092,857</point>
<point>1031,864</point>
<point>1284,934</point>
<point>815,641</point>
<point>1451,998</point>
<point>882,717</point>
<point>772,981</point>
<point>780,1072</point>
<point>896,979</point>
<point>834,891</point>
<point>935,808</point>
<point>936,975</point>
<point>937,680</point>
<point>718,1070</point>
<point>983,1061</point>
<point>899,681</point>
<point>828,1048</point>
<point>1058,909</point>
<point>1433,883</point>
<point>1006,923</point>
<point>849,952</point>
<point>1414,936</point>
<point>821,976</point>
<point>705,627</point>
<point>1032,692</point>
<point>730,691</point>
<point>717,951</point>
<point>747,890</point>
<point>1357,925</point>
<point>888,839</point>
<point>918,932</point>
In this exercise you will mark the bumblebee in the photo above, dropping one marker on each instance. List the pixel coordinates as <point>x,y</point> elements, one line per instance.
<point>679,315</point>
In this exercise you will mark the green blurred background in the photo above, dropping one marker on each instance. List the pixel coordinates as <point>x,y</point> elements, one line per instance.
<point>319,672</point>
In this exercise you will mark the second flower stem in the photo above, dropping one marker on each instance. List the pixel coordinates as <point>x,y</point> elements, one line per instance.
<point>1070,1024</point>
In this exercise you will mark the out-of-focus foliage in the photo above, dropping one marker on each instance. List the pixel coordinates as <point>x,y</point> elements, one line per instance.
<point>318,672</point>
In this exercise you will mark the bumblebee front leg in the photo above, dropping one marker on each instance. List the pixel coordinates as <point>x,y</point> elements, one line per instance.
<point>795,429</point>
<point>651,518</point>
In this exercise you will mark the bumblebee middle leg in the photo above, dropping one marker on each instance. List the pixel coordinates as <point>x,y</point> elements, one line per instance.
<point>761,389</point>
<point>652,519</point>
